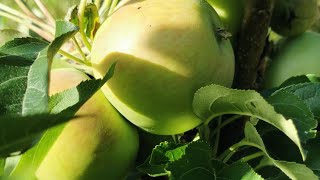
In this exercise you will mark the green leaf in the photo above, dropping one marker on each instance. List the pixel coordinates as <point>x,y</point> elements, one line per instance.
<point>91,20</point>
<point>179,161</point>
<point>19,132</point>
<point>313,158</point>
<point>72,15</point>
<point>309,93</point>
<point>163,153</point>
<point>292,107</point>
<point>152,170</point>
<point>291,169</point>
<point>300,79</point>
<point>27,48</point>
<point>214,100</point>
<point>66,103</point>
<point>26,91</point>
<point>195,163</point>
<point>15,71</point>
<point>31,159</point>
<point>75,97</point>
<point>218,165</point>
<point>238,170</point>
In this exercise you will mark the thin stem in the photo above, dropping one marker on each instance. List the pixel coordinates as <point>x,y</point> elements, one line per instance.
<point>104,10</point>
<point>228,153</point>
<point>82,8</point>
<point>25,17</point>
<point>204,132</point>
<point>72,57</point>
<point>41,32</point>
<point>79,49</point>
<point>174,138</point>
<point>252,156</point>
<point>25,9</point>
<point>45,11</point>
<point>216,142</point>
<point>113,5</point>
<point>225,122</point>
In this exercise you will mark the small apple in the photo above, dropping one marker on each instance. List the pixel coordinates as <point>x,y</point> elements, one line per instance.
<point>99,145</point>
<point>165,51</point>
<point>230,12</point>
<point>296,56</point>
<point>293,17</point>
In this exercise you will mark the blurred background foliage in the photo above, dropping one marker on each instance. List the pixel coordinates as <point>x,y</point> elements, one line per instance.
<point>58,9</point>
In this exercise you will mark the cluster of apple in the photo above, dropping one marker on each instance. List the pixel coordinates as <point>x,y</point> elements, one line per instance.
<point>298,48</point>
<point>164,51</point>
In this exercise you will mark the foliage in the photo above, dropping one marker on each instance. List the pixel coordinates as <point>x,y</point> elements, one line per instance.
<point>278,136</point>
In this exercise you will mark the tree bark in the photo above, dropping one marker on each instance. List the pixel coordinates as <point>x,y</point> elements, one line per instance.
<point>252,42</point>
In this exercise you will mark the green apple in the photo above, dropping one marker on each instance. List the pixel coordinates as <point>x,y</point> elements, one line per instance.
<point>293,17</point>
<point>99,145</point>
<point>165,51</point>
<point>296,56</point>
<point>230,12</point>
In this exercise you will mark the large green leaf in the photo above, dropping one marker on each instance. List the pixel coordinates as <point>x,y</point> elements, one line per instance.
<point>180,161</point>
<point>291,169</point>
<point>214,100</point>
<point>292,107</point>
<point>66,103</point>
<point>309,93</point>
<point>24,87</point>
<point>313,158</point>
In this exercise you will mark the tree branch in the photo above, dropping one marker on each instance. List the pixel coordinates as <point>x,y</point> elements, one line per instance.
<point>252,42</point>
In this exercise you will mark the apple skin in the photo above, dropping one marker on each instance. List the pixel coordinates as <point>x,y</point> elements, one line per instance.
<point>165,51</point>
<point>296,56</point>
<point>99,145</point>
<point>293,17</point>
<point>230,12</point>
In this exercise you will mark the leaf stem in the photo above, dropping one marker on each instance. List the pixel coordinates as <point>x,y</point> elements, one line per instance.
<point>228,153</point>
<point>252,156</point>
<point>113,6</point>
<point>79,49</point>
<point>45,12</point>
<point>216,142</point>
<point>204,132</point>
<point>225,122</point>
<point>104,10</point>
<point>72,57</point>
<point>81,12</point>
